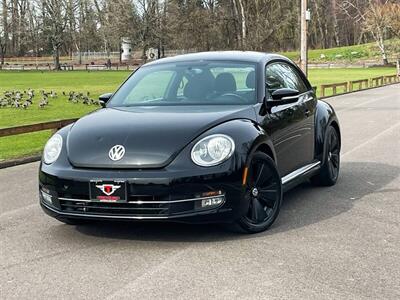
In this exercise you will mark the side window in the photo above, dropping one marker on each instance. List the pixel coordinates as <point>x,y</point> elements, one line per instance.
<point>281,75</point>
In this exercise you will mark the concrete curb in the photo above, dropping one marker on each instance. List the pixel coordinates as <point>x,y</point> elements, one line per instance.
<point>19,161</point>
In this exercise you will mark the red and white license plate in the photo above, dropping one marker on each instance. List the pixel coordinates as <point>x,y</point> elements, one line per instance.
<point>108,191</point>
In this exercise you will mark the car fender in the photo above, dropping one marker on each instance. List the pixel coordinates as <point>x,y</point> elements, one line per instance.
<point>263,143</point>
<point>324,117</point>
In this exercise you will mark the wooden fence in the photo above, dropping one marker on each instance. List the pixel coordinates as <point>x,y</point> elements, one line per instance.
<point>54,125</point>
<point>362,84</point>
<point>334,87</point>
<point>69,67</point>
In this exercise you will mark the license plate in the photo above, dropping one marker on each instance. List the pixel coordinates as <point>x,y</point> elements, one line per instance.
<point>108,191</point>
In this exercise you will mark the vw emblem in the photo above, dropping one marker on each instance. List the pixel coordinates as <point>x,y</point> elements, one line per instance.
<point>117,152</point>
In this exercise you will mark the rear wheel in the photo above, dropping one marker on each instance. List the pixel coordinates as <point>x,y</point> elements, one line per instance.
<point>329,172</point>
<point>263,194</point>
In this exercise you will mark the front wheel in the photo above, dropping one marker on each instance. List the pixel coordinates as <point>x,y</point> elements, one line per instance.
<point>263,194</point>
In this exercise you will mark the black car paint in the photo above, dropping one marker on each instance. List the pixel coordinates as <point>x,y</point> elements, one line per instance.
<point>301,127</point>
<point>147,145</point>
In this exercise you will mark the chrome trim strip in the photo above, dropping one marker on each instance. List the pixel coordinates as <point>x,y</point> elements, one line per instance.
<point>146,202</point>
<point>126,217</point>
<point>299,172</point>
<point>102,215</point>
<point>307,98</point>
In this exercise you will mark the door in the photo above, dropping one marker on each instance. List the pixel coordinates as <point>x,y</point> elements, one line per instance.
<point>292,125</point>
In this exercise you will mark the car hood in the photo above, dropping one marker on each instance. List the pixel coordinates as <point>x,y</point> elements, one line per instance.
<point>152,136</point>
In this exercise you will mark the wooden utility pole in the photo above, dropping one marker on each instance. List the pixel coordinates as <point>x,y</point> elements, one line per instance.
<point>303,36</point>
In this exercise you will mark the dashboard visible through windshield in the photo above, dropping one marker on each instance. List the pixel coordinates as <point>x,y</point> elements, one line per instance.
<point>189,83</point>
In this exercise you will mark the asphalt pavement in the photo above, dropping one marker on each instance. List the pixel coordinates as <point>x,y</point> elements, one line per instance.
<point>341,242</point>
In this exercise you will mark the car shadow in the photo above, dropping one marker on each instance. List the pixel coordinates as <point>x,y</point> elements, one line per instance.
<point>303,206</point>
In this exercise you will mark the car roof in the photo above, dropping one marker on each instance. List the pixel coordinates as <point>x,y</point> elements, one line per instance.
<point>242,56</point>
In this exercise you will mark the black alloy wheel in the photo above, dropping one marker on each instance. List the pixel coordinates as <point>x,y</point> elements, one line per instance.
<point>263,194</point>
<point>329,172</point>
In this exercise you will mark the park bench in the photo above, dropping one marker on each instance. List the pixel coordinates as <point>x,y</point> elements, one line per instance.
<point>96,67</point>
<point>67,67</point>
<point>13,67</point>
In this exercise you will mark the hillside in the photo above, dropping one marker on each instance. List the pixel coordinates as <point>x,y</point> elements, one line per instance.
<point>357,53</point>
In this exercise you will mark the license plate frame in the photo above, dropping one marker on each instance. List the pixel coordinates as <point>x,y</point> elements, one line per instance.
<point>111,191</point>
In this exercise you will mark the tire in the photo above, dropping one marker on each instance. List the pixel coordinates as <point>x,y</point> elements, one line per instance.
<point>263,194</point>
<point>329,171</point>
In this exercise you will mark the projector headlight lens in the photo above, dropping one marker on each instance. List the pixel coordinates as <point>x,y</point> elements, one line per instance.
<point>52,149</point>
<point>213,150</point>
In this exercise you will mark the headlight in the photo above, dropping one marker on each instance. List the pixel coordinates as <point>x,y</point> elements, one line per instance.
<point>52,149</point>
<point>213,150</point>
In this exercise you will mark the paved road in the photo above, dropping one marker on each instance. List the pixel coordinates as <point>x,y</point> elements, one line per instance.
<point>341,242</point>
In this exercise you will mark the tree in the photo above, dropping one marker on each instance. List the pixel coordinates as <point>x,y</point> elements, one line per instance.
<point>373,17</point>
<point>376,21</point>
<point>393,12</point>
<point>3,30</point>
<point>55,18</point>
<point>61,27</point>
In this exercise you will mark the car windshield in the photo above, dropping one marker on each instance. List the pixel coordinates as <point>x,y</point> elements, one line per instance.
<point>194,83</point>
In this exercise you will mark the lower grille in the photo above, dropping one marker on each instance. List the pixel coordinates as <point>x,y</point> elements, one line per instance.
<point>136,208</point>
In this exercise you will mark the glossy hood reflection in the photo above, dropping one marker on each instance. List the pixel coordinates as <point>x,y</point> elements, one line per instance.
<point>152,136</point>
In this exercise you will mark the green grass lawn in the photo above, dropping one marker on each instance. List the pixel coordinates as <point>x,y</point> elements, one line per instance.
<point>79,81</point>
<point>349,54</point>
<point>96,83</point>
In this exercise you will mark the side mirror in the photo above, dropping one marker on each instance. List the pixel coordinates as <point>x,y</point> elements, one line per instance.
<point>283,96</point>
<point>105,98</point>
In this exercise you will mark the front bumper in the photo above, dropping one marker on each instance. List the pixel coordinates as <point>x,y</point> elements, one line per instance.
<point>152,195</point>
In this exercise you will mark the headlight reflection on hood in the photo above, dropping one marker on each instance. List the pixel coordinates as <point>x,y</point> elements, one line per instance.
<point>213,150</point>
<point>52,149</point>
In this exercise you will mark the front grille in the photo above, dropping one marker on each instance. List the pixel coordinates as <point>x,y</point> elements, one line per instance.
<point>80,190</point>
<point>142,201</point>
<point>133,208</point>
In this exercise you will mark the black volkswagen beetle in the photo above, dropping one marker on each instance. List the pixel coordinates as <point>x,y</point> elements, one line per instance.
<point>205,137</point>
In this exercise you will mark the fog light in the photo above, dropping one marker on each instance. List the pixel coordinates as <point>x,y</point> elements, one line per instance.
<point>212,201</point>
<point>46,197</point>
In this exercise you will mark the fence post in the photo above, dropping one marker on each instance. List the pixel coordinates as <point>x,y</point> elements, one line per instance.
<point>398,67</point>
